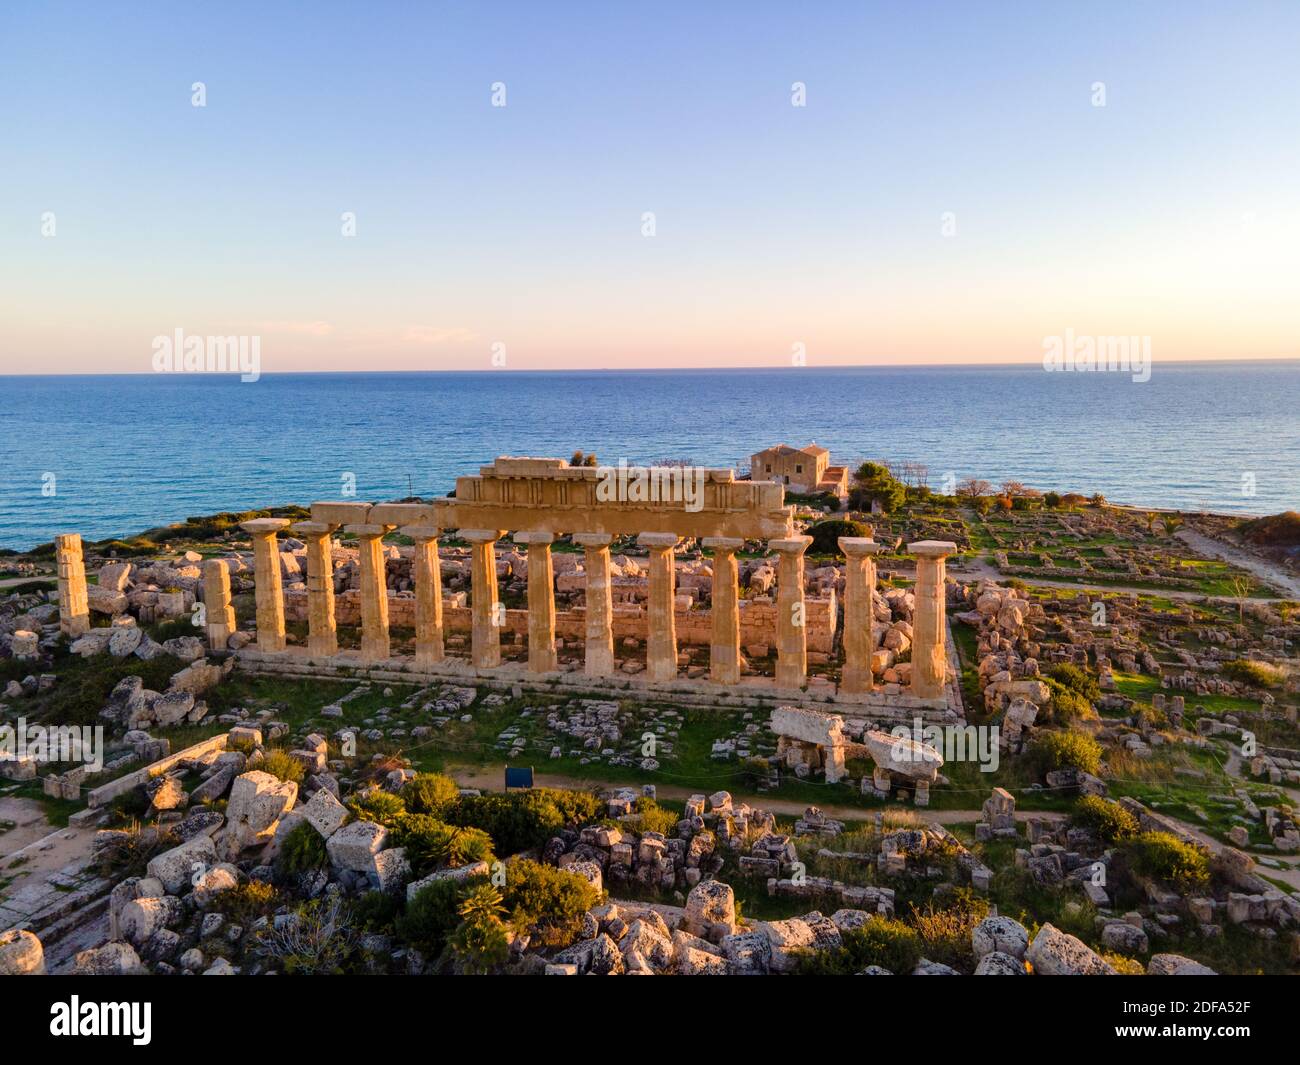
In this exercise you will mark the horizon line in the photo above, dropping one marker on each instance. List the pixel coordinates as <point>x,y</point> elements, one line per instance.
<point>639,369</point>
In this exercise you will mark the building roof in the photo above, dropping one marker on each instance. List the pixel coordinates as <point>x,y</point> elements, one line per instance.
<point>786,449</point>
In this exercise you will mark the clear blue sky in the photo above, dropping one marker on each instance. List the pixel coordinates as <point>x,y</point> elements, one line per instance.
<point>1174,211</point>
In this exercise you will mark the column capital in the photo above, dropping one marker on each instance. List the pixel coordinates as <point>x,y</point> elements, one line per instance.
<point>932,548</point>
<point>723,543</point>
<point>530,538</point>
<point>420,532</point>
<point>312,528</point>
<point>658,540</point>
<point>481,536</point>
<point>859,546</point>
<point>367,530</point>
<point>794,545</point>
<point>264,526</point>
<point>591,539</point>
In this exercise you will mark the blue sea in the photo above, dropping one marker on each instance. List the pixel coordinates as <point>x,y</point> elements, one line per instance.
<point>113,455</point>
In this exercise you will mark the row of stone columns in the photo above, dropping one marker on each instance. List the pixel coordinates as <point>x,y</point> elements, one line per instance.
<point>929,659</point>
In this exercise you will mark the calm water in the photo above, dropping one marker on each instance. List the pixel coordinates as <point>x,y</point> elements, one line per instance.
<point>127,453</point>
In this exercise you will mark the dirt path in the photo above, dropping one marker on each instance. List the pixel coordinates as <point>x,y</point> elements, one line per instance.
<point>490,778</point>
<point>29,824</point>
<point>1262,568</point>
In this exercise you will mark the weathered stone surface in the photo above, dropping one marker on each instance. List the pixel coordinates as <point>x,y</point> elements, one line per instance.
<point>141,918</point>
<point>463,872</point>
<point>21,954</point>
<point>710,910</point>
<point>907,757</point>
<point>354,846</point>
<point>112,959</point>
<point>995,963</point>
<point>324,813</point>
<point>1056,953</point>
<point>171,708</point>
<point>257,802</point>
<point>1176,965</point>
<point>1000,934</point>
<point>177,867</point>
<point>1122,936</point>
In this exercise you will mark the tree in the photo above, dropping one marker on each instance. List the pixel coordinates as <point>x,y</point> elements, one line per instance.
<point>973,488</point>
<point>579,459</point>
<point>874,483</point>
<point>1172,523</point>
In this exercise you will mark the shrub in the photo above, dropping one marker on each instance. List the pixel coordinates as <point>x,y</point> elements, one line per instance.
<point>281,764</point>
<point>946,933</point>
<point>1109,821</point>
<point>1258,674</point>
<point>654,818</point>
<point>318,940</point>
<point>882,941</point>
<point>433,914</point>
<point>1167,858</point>
<point>1124,966</point>
<point>520,820</point>
<point>1052,499</point>
<point>432,844</point>
<point>1067,705</point>
<point>826,534</point>
<point>303,849</point>
<point>480,943</point>
<point>376,911</point>
<point>1076,680</point>
<point>246,902</point>
<point>382,807</point>
<point>551,900</point>
<point>430,793</point>
<point>1065,750</point>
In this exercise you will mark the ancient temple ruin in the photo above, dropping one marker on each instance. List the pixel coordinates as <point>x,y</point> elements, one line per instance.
<point>538,500</point>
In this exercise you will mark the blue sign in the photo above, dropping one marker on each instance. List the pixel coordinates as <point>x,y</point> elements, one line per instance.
<point>519,777</point>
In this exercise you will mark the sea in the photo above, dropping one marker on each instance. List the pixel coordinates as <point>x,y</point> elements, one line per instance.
<point>114,455</point>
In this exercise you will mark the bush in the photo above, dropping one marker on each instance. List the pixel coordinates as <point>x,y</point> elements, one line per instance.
<point>1108,821</point>
<point>376,911</point>
<point>826,534</point>
<point>480,943</point>
<point>318,940</point>
<point>520,820</point>
<point>433,914</point>
<point>1066,705</point>
<point>1052,499</point>
<point>432,844</point>
<point>654,818</point>
<point>882,941</point>
<point>430,793</point>
<point>382,807</point>
<point>303,849</point>
<point>1258,674</point>
<point>1076,680</point>
<point>1065,750</point>
<point>946,933</point>
<point>551,900</point>
<point>246,902</point>
<point>280,764</point>
<point>1167,858</point>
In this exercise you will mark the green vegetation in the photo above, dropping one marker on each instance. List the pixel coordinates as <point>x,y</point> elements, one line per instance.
<point>826,534</point>
<point>883,941</point>
<point>547,901</point>
<point>1107,820</point>
<point>284,766</point>
<point>1065,750</point>
<point>1169,860</point>
<point>303,850</point>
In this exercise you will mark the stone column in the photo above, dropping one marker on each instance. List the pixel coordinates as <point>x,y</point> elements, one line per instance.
<point>724,653</point>
<point>74,607</point>
<point>374,592</point>
<point>661,622</point>
<point>541,601</point>
<point>427,571</point>
<point>791,630</point>
<point>266,572</point>
<point>217,609</point>
<point>322,631</point>
<point>929,621</point>
<point>486,640</point>
<point>600,603</point>
<point>859,615</point>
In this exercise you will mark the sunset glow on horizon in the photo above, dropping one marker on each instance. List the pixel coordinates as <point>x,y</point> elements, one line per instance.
<point>950,190</point>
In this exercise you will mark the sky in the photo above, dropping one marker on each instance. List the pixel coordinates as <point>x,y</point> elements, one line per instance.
<point>649,196</point>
